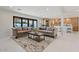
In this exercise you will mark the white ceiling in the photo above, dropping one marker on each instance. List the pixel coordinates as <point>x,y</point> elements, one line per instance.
<point>71,9</point>
<point>43,11</point>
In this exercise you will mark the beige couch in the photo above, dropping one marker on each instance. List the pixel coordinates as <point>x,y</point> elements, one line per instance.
<point>50,32</point>
<point>18,32</point>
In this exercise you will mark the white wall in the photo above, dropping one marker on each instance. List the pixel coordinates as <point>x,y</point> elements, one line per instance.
<point>6,22</point>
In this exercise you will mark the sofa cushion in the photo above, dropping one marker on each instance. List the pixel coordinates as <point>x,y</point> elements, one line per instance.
<point>23,31</point>
<point>50,28</point>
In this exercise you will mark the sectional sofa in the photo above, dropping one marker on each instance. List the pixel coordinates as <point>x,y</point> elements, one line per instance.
<point>49,31</point>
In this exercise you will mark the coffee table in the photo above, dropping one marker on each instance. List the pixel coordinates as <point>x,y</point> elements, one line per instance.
<point>37,36</point>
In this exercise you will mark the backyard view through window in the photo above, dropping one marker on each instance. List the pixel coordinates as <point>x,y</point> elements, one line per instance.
<point>24,22</point>
<point>17,22</point>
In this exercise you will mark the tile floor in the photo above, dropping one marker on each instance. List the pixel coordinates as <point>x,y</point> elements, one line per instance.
<point>67,42</point>
<point>64,42</point>
<point>9,45</point>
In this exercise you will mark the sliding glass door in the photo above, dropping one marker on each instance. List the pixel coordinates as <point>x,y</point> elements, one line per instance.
<point>17,22</point>
<point>30,23</point>
<point>35,24</point>
<point>24,23</point>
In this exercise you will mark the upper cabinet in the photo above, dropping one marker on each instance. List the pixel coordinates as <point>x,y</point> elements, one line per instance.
<point>45,22</point>
<point>55,22</point>
<point>51,22</point>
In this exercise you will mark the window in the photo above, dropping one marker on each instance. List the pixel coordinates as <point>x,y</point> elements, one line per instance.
<point>24,22</point>
<point>35,24</point>
<point>17,22</point>
<point>30,23</point>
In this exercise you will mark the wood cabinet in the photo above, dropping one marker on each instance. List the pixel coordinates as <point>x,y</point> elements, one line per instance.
<point>55,22</point>
<point>67,21</point>
<point>73,21</point>
<point>45,22</point>
<point>51,22</point>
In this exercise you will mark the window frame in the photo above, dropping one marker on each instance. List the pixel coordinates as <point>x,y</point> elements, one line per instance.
<point>28,19</point>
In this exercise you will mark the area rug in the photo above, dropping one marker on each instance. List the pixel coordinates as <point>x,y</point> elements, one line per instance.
<point>33,46</point>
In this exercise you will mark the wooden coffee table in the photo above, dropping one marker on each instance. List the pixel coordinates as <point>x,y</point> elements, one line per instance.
<point>37,36</point>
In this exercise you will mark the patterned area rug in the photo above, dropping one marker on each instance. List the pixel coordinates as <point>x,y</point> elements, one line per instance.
<point>33,46</point>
